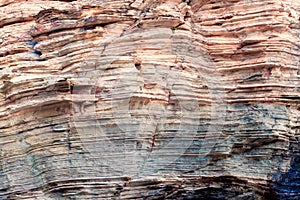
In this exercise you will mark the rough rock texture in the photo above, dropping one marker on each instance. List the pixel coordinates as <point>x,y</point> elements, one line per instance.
<point>149,99</point>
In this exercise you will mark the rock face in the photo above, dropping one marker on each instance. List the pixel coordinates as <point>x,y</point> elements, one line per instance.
<point>149,99</point>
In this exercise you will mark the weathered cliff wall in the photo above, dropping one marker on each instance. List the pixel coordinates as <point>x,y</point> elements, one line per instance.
<point>149,99</point>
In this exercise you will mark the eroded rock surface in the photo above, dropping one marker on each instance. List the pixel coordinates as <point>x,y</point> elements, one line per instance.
<point>149,99</point>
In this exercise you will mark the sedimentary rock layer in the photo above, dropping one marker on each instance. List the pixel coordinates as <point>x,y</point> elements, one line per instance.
<point>149,99</point>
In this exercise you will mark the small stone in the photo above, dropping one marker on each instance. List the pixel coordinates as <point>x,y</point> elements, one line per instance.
<point>59,128</point>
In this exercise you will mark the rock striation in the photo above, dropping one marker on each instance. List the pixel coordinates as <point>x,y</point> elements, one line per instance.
<point>148,99</point>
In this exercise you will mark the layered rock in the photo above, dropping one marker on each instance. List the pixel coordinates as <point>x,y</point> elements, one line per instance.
<point>149,99</point>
